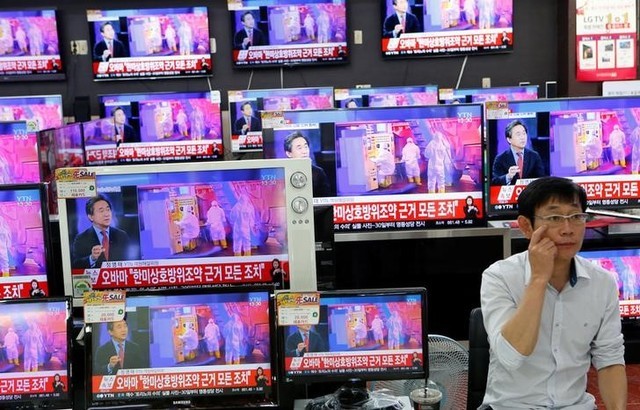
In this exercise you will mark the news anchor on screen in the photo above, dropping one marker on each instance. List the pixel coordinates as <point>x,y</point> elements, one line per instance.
<point>109,46</point>
<point>304,340</point>
<point>247,121</point>
<point>248,35</point>
<point>517,161</point>
<point>118,352</point>
<point>401,21</point>
<point>100,242</point>
<point>123,131</point>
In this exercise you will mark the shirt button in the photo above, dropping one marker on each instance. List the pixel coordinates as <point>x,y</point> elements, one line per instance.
<point>555,350</point>
<point>557,324</point>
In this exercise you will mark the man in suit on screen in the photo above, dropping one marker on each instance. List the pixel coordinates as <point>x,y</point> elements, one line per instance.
<point>248,35</point>
<point>516,162</point>
<point>109,46</point>
<point>304,340</point>
<point>123,131</point>
<point>118,352</point>
<point>400,21</point>
<point>247,121</point>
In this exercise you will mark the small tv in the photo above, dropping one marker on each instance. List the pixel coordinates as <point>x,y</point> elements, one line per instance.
<point>59,148</point>
<point>164,127</point>
<point>149,43</point>
<point>45,110</point>
<point>376,161</point>
<point>461,95</point>
<point>288,33</point>
<point>420,28</point>
<point>36,371</point>
<point>374,334</point>
<point>25,254</point>
<point>206,224</point>
<point>29,46</point>
<point>18,152</point>
<point>589,140</point>
<point>250,110</point>
<point>386,96</point>
<point>205,348</point>
<point>99,141</point>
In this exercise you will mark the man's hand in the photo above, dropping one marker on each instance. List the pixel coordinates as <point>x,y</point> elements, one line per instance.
<point>96,251</point>
<point>113,361</point>
<point>301,347</point>
<point>542,253</point>
<point>513,170</point>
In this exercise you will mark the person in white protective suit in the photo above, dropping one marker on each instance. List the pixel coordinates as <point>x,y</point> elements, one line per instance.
<point>635,150</point>
<point>189,342</point>
<point>189,230</point>
<point>394,324</point>
<point>5,247</point>
<point>185,35</point>
<point>617,141</point>
<point>411,158</point>
<point>233,333</point>
<point>216,220</point>
<point>360,330</point>
<point>386,166</point>
<point>212,338</point>
<point>243,220</point>
<point>11,343</point>
<point>377,327</point>
<point>438,153</point>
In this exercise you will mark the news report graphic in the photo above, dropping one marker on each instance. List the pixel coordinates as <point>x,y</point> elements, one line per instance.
<point>423,28</point>
<point>289,32</point>
<point>148,43</point>
<point>29,46</point>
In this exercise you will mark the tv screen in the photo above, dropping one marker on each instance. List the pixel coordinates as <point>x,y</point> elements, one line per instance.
<point>45,110</point>
<point>25,251</point>
<point>35,369</point>
<point>206,348</point>
<point>59,148</point>
<point>149,43</point>
<point>392,168</point>
<point>163,127</point>
<point>190,225</point>
<point>624,265</point>
<point>288,32</point>
<point>18,152</point>
<point>386,96</point>
<point>29,46</point>
<point>458,95</point>
<point>414,28</point>
<point>247,109</point>
<point>367,334</point>
<point>591,140</point>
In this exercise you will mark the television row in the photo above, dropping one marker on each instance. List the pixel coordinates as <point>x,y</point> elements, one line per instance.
<point>177,42</point>
<point>207,347</point>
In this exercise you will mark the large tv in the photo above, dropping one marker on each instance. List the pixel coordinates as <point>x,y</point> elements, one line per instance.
<point>250,110</point>
<point>45,110</point>
<point>624,265</point>
<point>18,152</point>
<point>419,28</point>
<point>461,95</point>
<point>207,348</point>
<point>163,127</point>
<point>190,225</point>
<point>25,254</point>
<point>149,43</point>
<point>375,334</point>
<point>376,164</point>
<point>29,46</point>
<point>287,33</point>
<point>590,140</point>
<point>386,96</point>
<point>36,371</point>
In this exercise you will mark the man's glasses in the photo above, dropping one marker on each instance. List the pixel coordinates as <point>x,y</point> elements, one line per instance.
<point>557,220</point>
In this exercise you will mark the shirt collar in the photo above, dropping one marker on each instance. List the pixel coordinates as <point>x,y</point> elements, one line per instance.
<point>574,273</point>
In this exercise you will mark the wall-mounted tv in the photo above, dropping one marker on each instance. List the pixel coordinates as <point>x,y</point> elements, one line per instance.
<point>595,141</point>
<point>461,95</point>
<point>149,43</point>
<point>29,46</point>
<point>419,28</point>
<point>386,96</point>
<point>46,110</point>
<point>163,127</point>
<point>390,168</point>
<point>247,111</point>
<point>288,32</point>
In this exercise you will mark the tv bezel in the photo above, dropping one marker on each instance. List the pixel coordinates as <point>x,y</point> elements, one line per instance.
<point>372,91</point>
<point>201,401</point>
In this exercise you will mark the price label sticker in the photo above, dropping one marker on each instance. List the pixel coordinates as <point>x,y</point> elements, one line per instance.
<point>75,183</point>
<point>104,306</point>
<point>298,308</point>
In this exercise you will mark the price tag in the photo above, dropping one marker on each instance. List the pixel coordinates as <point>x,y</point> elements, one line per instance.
<point>104,306</point>
<point>298,308</point>
<point>75,183</point>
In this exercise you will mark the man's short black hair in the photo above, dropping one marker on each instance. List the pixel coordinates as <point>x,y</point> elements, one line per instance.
<point>289,140</point>
<point>245,14</point>
<point>92,202</point>
<point>512,124</point>
<point>543,189</point>
<point>110,324</point>
<point>105,24</point>
<point>244,104</point>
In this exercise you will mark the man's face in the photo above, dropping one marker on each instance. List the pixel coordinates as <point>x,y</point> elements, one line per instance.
<point>518,137</point>
<point>120,331</point>
<point>401,6</point>
<point>101,216</point>
<point>247,110</point>
<point>249,21</point>
<point>119,117</point>
<point>299,148</point>
<point>108,33</point>
<point>304,328</point>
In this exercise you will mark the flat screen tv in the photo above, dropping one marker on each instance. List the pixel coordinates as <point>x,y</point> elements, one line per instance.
<point>461,95</point>
<point>149,43</point>
<point>376,334</point>
<point>287,33</point>
<point>29,46</point>
<point>247,111</point>
<point>391,168</point>
<point>46,110</point>
<point>190,225</point>
<point>164,127</point>
<point>591,140</point>
<point>18,152</point>
<point>205,348</point>
<point>36,371</point>
<point>25,252</point>
<point>420,28</point>
<point>386,96</point>
<point>59,148</point>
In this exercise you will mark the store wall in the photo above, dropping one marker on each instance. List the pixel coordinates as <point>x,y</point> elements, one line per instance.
<point>534,59</point>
